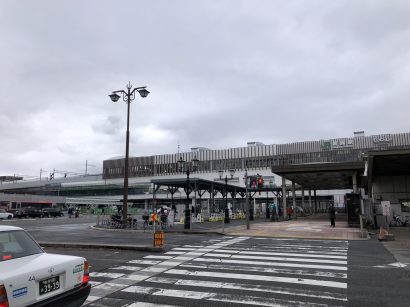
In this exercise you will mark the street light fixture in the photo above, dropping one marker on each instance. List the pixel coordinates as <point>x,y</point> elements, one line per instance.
<point>127,96</point>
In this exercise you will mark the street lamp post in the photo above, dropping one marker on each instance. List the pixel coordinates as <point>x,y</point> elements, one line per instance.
<point>187,221</point>
<point>127,96</point>
<point>231,172</point>
<point>187,213</point>
<point>247,207</point>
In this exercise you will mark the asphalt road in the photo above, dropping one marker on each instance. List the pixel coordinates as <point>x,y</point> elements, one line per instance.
<point>213,270</point>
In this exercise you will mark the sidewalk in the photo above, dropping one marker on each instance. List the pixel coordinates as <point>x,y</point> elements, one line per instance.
<point>300,229</point>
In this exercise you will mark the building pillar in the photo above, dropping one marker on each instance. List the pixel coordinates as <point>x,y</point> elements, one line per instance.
<point>314,195</point>
<point>354,180</point>
<point>303,198</point>
<point>284,194</point>
<point>310,201</point>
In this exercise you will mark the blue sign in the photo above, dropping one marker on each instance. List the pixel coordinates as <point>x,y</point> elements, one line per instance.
<point>20,292</point>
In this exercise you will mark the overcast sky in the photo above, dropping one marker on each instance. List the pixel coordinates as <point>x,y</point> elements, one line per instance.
<point>221,73</point>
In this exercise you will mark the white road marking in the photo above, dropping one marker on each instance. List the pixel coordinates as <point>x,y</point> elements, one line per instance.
<point>184,249</point>
<point>217,297</point>
<point>277,264</point>
<point>293,249</point>
<point>143,304</point>
<point>108,275</point>
<point>280,254</point>
<point>314,247</point>
<point>300,281</point>
<point>157,257</point>
<point>261,269</point>
<point>285,259</point>
<point>127,268</point>
<point>94,283</point>
<point>247,287</point>
<point>151,262</point>
<point>112,287</point>
<point>91,298</point>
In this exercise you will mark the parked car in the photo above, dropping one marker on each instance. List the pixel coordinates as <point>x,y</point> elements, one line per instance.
<point>5,215</point>
<point>31,277</point>
<point>52,212</point>
<point>29,212</point>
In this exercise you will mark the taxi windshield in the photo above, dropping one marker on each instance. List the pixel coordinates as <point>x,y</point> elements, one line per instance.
<point>16,244</point>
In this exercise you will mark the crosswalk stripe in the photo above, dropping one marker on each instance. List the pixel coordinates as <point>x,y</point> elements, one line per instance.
<point>127,268</point>
<point>104,274</point>
<point>218,297</point>
<point>278,264</point>
<point>321,247</point>
<point>263,269</point>
<point>143,304</point>
<point>150,262</point>
<point>282,259</point>
<point>301,281</point>
<point>184,249</point>
<point>275,258</point>
<point>174,253</point>
<point>246,287</point>
<point>279,254</point>
<point>157,257</point>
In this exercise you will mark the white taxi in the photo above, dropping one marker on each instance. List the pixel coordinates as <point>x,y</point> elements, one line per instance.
<point>5,215</point>
<point>31,277</point>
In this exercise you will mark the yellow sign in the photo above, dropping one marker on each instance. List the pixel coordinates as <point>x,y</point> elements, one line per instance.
<point>159,239</point>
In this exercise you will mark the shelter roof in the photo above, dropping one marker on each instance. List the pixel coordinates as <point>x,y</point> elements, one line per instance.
<point>389,163</point>
<point>321,176</point>
<point>199,184</point>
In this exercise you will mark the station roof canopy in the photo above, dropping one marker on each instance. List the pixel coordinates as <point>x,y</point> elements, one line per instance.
<point>198,184</point>
<point>322,176</point>
<point>389,163</point>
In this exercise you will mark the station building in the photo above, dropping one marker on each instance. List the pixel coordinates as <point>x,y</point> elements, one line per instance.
<point>307,175</point>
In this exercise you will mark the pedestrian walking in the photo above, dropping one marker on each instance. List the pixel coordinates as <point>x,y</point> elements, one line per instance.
<point>332,215</point>
<point>290,212</point>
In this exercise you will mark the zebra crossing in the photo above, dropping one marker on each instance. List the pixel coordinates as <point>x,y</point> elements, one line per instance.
<point>228,272</point>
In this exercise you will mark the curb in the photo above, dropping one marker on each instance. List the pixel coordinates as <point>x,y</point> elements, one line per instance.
<point>143,248</point>
<point>194,232</point>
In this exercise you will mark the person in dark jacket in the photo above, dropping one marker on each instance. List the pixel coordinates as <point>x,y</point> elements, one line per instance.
<point>332,215</point>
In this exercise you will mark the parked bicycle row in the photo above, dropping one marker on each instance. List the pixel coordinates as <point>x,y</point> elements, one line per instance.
<point>153,222</point>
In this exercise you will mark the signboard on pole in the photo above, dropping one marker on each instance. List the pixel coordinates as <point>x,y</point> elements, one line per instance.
<point>386,207</point>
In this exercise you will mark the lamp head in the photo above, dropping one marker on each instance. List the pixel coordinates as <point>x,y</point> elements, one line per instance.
<point>143,92</point>
<point>114,97</point>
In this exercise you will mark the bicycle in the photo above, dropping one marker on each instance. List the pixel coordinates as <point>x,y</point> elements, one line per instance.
<point>396,221</point>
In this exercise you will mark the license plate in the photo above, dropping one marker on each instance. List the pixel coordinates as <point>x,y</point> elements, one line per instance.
<point>49,285</point>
